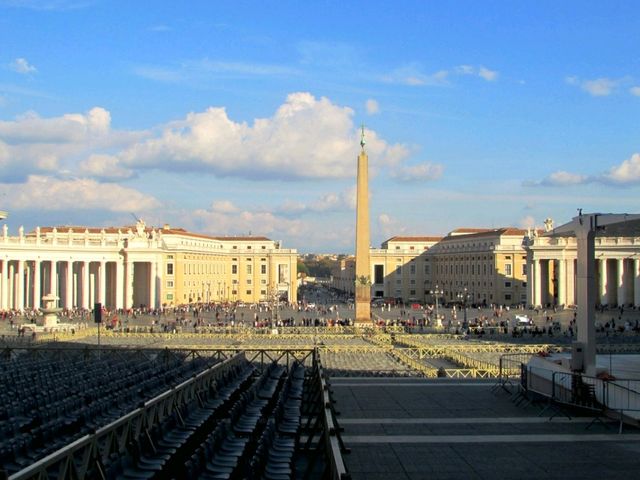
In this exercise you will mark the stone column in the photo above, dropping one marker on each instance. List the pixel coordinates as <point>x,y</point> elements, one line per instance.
<point>11,286</point>
<point>537,283</point>
<point>68,288</point>
<point>530,288</point>
<point>571,282</point>
<point>160,285</point>
<point>27,286</point>
<point>152,284</point>
<point>621,287</point>
<point>636,282</point>
<point>85,285</point>
<point>36,284</point>
<point>4,285</point>
<point>128,285</point>
<point>53,278</point>
<point>604,298</point>
<point>562,282</point>
<point>120,287</point>
<point>20,286</point>
<point>102,285</point>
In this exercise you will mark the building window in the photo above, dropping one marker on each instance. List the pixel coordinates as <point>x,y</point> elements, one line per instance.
<point>169,283</point>
<point>169,296</point>
<point>249,269</point>
<point>248,281</point>
<point>507,296</point>
<point>169,268</point>
<point>234,269</point>
<point>507,284</point>
<point>524,268</point>
<point>263,282</point>
<point>263,292</point>
<point>427,271</point>
<point>412,269</point>
<point>399,270</point>
<point>507,269</point>
<point>248,292</point>
<point>263,269</point>
<point>413,281</point>
<point>412,292</point>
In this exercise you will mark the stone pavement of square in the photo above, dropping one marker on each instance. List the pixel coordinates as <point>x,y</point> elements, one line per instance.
<point>450,429</point>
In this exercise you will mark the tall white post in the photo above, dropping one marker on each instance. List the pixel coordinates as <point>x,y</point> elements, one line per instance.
<point>3,286</point>
<point>102,285</point>
<point>85,285</point>
<point>152,284</point>
<point>128,285</point>
<point>120,288</point>
<point>20,286</point>
<point>68,288</point>
<point>160,284</point>
<point>537,284</point>
<point>604,298</point>
<point>622,297</point>
<point>36,284</point>
<point>562,282</point>
<point>636,282</point>
<point>27,286</point>
<point>11,286</point>
<point>585,236</point>
<point>53,278</point>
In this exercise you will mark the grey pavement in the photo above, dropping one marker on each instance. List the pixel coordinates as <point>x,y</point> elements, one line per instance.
<point>439,429</point>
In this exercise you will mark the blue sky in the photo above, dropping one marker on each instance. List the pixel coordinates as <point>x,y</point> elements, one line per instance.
<point>238,117</point>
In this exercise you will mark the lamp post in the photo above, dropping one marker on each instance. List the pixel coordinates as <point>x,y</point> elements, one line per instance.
<point>463,296</point>
<point>435,293</point>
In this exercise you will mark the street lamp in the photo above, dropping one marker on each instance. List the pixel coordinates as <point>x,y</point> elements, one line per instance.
<point>463,296</point>
<point>435,293</point>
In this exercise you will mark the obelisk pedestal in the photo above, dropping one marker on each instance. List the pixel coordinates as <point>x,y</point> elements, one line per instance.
<point>363,268</point>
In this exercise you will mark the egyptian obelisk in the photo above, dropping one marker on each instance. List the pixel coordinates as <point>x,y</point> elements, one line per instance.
<point>363,269</point>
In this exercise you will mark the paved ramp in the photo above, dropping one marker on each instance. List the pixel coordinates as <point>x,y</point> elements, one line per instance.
<point>447,429</point>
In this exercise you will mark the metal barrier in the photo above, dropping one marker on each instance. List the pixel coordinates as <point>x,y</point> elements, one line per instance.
<point>84,457</point>
<point>321,422</point>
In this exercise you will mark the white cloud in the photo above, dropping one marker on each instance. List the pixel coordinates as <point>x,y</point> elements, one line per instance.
<point>418,173</point>
<point>598,87</point>
<point>20,65</point>
<point>307,137</point>
<point>635,91</point>
<point>104,167</point>
<point>480,71</point>
<point>412,75</point>
<point>561,178</point>
<point>627,172</point>
<point>72,127</point>
<point>63,144</point>
<point>224,206</point>
<point>372,106</point>
<point>488,75</point>
<point>330,202</point>
<point>45,193</point>
<point>389,226</point>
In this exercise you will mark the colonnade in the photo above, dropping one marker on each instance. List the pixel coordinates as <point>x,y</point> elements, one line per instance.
<point>79,283</point>
<point>553,281</point>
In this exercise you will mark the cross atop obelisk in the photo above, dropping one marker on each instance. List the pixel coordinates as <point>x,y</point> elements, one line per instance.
<point>363,268</point>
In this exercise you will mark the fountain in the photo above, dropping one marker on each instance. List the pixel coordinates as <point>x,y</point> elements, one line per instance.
<point>50,311</point>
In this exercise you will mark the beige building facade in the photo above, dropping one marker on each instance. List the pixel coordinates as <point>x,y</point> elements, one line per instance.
<point>479,266</point>
<point>552,276</point>
<point>140,266</point>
